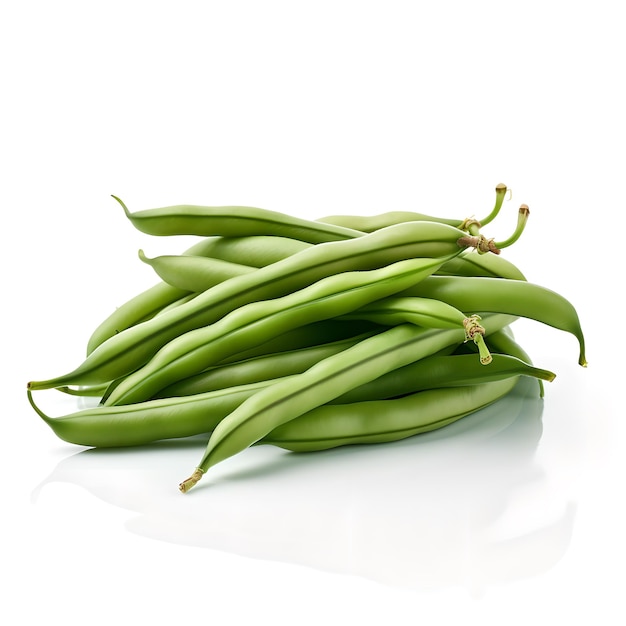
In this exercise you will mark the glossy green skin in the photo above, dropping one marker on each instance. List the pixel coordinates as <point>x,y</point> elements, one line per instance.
<point>470,263</point>
<point>513,297</point>
<point>276,405</point>
<point>258,368</point>
<point>194,273</point>
<point>234,221</point>
<point>381,421</point>
<point>370,223</point>
<point>425,312</point>
<point>503,342</point>
<point>313,336</point>
<point>139,424</point>
<point>140,308</point>
<point>255,323</point>
<point>178,417</point>
<point>199,273</point>
<point>255,251</point>
<point>130,349</point>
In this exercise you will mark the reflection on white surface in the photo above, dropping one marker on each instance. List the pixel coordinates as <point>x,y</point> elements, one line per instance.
<point>468,505</point>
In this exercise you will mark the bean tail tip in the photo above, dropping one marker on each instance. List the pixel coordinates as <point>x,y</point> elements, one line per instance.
<point>122,204</point>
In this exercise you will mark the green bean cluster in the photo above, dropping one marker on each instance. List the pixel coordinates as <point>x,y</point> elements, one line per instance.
<point>307,334</point>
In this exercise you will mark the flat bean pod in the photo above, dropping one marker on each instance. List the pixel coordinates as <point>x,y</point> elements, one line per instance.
<point>255,323</point>
<point>503,342</point>
<point>233,221</point>
<point>489,265</point>
<point>194,273</point>
<point>426,312</point>
<point>320,384</point>
<point>370,223</point>
<point>513,297</point>
<point>139,308</point>
<point>145,422</point>
<point>196,414</point>
<point>369,422</point>
<point>255,369</point>
<point>255,251</point>
<point>309,336</point>
<point>130,349</point>
<point>439,371</point>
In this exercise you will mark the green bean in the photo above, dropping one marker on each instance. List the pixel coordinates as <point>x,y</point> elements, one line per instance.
<point>179,417</point>
<point>503,342</point>
<point>198,273</point>
<point>255,369</point>
<point>251,324</point>
<point>426,312</point>
<point>130,349</point>
<point>489,265</point>
<point>310,336</point>
<point>384,421</point>
<point>283,401</point>
<point>194,273</point>
<point>370,223</point>
<point>233,221</point>
<point>139,308</point>
<point>255,251</point>
<point>306,336</point>
<point>145,422</point>
<point>438,371</point>
<point>514,297</point>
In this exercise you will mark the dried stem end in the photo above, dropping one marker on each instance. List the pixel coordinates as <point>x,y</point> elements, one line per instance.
<point>475,332</point>
<point>186,485</point>
<point>480,242</point>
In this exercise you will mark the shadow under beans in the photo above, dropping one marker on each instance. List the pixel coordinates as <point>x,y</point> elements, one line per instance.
<point>453,507</point>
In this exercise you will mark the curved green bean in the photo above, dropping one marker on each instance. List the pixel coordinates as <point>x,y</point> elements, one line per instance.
<point>130,349</point>
<point>503,342</point>
<point>383,421</point>
<point>514,297</point>
<point>255,251</point>
<point>140,308</point>
<point>439,371</point>
<point>233,221</point>
<point>285,400</point>
<point>489,265</point>
<point>263,367</point>
<point>256,322</point>
<point>371,223</point>
<point>194,273</point>
<point>196,414</point>
<point>309,336</point>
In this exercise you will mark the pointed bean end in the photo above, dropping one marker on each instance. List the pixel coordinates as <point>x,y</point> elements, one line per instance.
<point>126,211</point>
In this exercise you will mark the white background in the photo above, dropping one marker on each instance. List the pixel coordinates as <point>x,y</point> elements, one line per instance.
<point>314,108</point>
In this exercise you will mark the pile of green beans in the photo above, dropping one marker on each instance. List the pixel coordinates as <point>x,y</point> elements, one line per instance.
<point>307,334</point>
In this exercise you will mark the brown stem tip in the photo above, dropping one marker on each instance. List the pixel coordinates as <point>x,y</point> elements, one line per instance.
<point>480,242</point>
<point>186,485</point>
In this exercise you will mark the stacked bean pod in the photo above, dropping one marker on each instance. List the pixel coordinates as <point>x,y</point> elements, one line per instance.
<point>308,334</point>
